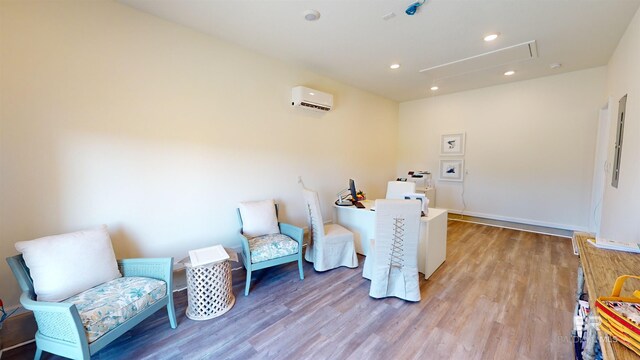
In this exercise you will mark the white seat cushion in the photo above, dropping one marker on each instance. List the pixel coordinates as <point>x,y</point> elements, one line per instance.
<point>334,233</point>
<point>272,246</point>
<point>334,249</point>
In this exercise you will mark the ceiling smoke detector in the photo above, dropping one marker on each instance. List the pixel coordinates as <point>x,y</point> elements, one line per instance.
<point>311,15</point>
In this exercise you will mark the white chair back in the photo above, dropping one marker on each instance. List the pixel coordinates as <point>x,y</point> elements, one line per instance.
<point>397,232</point>
<point>395,268</point>
<point>398,189</point>
<point>314,215</point>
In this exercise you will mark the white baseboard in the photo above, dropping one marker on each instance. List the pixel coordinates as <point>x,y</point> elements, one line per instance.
<point>520,221</point>
<point>16,346</point>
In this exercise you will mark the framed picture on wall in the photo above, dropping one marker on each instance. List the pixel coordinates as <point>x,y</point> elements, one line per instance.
<point>452,170</point>
<point>452,144</point>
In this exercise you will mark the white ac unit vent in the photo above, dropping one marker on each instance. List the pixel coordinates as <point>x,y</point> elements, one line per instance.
<point>311,99</point>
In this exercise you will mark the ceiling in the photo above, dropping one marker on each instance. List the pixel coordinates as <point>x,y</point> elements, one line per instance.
<point>352,43</point>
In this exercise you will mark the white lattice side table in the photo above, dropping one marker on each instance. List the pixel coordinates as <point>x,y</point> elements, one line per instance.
<point>209,290</point>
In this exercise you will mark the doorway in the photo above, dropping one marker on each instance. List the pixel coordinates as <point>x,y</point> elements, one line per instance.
<point>600,169</point>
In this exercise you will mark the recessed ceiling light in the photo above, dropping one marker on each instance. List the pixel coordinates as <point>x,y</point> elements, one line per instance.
<point>434,88</point>
<point>394,66</point>
<point>311,15</point>
<point>490,37</point>
<point>509,73</point>
<point>312,93</point>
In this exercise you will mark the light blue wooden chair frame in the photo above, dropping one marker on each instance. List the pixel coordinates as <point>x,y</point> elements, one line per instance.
<point>60,330</point>
<point>291,231</point>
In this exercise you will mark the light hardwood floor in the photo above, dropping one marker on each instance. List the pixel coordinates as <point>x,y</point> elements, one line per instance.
<point>501,294</point>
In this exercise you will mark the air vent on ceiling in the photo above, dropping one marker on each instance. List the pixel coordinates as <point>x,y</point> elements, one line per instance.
<point>488,60</point>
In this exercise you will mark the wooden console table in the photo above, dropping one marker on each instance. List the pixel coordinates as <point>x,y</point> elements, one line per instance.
<point>601,268</point>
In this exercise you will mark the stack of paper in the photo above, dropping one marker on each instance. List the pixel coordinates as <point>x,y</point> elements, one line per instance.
<point>615,245</point>
<point>207,255</point>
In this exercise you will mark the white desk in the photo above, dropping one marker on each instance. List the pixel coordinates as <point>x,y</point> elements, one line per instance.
<point>432,248</point>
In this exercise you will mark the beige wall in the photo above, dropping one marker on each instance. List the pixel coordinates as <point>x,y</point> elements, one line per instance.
<point>529,151</point>
<point>108,115</point>
<point>621,206</point>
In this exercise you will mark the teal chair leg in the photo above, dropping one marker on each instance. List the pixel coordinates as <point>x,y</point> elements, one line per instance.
<point>38,354</point>
<point>300,268</point>
<point>171,312</point>
<point>248,285</point>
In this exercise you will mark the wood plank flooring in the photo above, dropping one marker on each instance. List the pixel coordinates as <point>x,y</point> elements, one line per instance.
<point>501,294</point>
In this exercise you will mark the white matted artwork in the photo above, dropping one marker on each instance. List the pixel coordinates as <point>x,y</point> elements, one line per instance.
<point>451,170</point>
<point>452,144</point>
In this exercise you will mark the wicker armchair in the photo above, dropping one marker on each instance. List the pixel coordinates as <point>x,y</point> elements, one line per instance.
<point>270,250</point>
<point>60,328</point>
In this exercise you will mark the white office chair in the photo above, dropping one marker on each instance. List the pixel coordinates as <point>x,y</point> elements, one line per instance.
<point>331,245</point>
<point>392,262</point>
<point>398,189</point>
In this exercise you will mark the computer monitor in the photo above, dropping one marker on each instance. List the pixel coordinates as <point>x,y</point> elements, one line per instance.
<point>354,194</point>
<point>343,196</point>
<point>352,188</point>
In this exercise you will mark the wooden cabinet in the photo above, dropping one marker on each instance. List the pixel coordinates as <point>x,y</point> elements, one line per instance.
<point>601,268</point>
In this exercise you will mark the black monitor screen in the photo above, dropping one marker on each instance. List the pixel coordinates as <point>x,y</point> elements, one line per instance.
<point>352,188</point>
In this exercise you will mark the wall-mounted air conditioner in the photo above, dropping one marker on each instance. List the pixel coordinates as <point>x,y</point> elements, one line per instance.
<point>311,99</point>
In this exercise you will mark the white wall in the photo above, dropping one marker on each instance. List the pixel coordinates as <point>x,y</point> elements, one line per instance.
<point>621,206</point>
<point>109,115</point>
<point>529,147</point>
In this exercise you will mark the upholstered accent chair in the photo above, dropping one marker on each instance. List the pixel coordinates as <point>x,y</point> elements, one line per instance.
<point>77,324</point>
<point>330,245</point>
<point>392,262</point>
<point>265,241</point>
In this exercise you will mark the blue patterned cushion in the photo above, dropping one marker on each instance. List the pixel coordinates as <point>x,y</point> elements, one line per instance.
<point>271,246</point>
<point>106,306</point>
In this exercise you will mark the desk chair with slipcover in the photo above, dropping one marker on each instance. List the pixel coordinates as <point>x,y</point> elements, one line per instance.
<point>392,262</point>
<point>330,245</point>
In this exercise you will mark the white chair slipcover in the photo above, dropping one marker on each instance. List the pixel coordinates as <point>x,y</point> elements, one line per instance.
<point>398,189</point>
<point>331,245</point>
<point>392,262</point>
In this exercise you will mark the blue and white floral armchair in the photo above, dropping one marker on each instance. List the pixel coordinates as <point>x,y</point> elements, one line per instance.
<point>81,297</point>
<point>81,325</point>
<point>265,241</point>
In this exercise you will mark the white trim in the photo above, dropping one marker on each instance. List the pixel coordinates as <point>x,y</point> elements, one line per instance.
<point>503,226</point>
<point>521,221</point>
<point>600,172</point>
<point>16,346</point>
